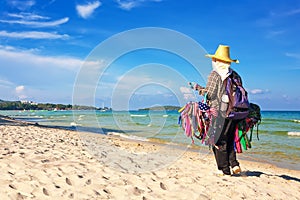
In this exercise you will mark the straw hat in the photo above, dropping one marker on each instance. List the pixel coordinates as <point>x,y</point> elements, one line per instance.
<point>222,53</point>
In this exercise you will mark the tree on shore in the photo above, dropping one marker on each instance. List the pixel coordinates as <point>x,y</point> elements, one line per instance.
<point>18,105</point>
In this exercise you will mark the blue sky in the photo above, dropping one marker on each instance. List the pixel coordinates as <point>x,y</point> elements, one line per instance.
<point>44,44</point>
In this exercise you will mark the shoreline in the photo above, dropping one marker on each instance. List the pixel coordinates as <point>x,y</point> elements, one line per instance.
<point>47,163</point>
<point>193,148</point>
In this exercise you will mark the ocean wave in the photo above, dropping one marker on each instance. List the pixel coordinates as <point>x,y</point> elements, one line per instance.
<point>131,137</point>
<point>279,120</point>
<point>81,117</point>
<point>74,124</point>
<point>293,133</point>
<point>132,115</point>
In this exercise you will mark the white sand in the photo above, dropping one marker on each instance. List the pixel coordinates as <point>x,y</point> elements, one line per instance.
<point>45,163</point>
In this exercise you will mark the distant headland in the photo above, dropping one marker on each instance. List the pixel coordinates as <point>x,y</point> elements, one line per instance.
<point>30,105</point>
<point>159,108</point>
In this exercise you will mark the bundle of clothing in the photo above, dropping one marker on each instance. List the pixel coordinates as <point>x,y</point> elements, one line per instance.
<point>196,119</point>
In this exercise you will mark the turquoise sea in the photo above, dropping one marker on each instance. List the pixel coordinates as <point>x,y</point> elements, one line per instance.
<point>279,131</point>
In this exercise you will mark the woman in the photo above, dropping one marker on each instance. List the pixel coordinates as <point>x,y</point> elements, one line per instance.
<point>222,129</point>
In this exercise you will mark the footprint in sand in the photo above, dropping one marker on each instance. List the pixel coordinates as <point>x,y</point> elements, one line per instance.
<point>163,186</point>
<point>12,186</point>
<point>71,196</point>
<point>88,182</point>
<point>68,181</point>
<point>137,191</point>
<point>106,191</point>
<point>45,191</point>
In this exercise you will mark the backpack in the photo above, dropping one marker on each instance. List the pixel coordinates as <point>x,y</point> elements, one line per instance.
<point>253,118</point>
<point>241,140</point>
<point>238,107</point>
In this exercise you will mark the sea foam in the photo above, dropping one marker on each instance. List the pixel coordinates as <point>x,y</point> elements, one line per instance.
<point>131,137</point>
<point>74,124</point>
<point>293,133</point>
<point>138,115</point>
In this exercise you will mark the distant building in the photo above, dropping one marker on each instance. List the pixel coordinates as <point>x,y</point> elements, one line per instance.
<point>28,102</point>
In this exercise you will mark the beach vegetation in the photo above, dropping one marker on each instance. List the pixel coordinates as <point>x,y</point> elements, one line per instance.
<point>29,105</point>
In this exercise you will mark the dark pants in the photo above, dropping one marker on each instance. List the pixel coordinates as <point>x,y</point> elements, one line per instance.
<point>224,152</point>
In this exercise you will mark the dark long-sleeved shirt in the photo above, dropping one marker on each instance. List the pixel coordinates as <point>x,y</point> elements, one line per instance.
<point>214,90</point>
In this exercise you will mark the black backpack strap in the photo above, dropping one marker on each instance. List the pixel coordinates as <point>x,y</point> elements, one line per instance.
<point>251,131</point>
<point>257,129</point>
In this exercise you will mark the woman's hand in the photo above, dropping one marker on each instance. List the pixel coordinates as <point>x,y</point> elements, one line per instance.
<point>195,86</point>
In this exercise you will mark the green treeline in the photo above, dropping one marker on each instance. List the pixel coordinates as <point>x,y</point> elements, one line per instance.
<point>18,105</point>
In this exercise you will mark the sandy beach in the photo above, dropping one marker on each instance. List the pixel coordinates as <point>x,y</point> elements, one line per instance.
<point>49,163</point>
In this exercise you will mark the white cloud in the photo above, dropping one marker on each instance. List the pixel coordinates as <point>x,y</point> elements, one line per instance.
<point>187,93</point>
<point>276,19</point>
<point>129,4</point>
<point>85,11</point>
<point>7,48</point>
<point>5,83</point>
<point>127,83</point>
<point>293,12</point>
<point>22,96</point>
<point>20,89</point>
<point>272,34</point>
<point>12,55</point>
<point>21,4</point>
<point>33,35</point>
<point>45,78</point>
<point>188,96</point>
<point>185,90</point>
<point>27,58</point>
<point>27,16</point>
<point>286,13</point>
<point>293,55</point>
<point>258,91</point>
<point>37,23</point>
